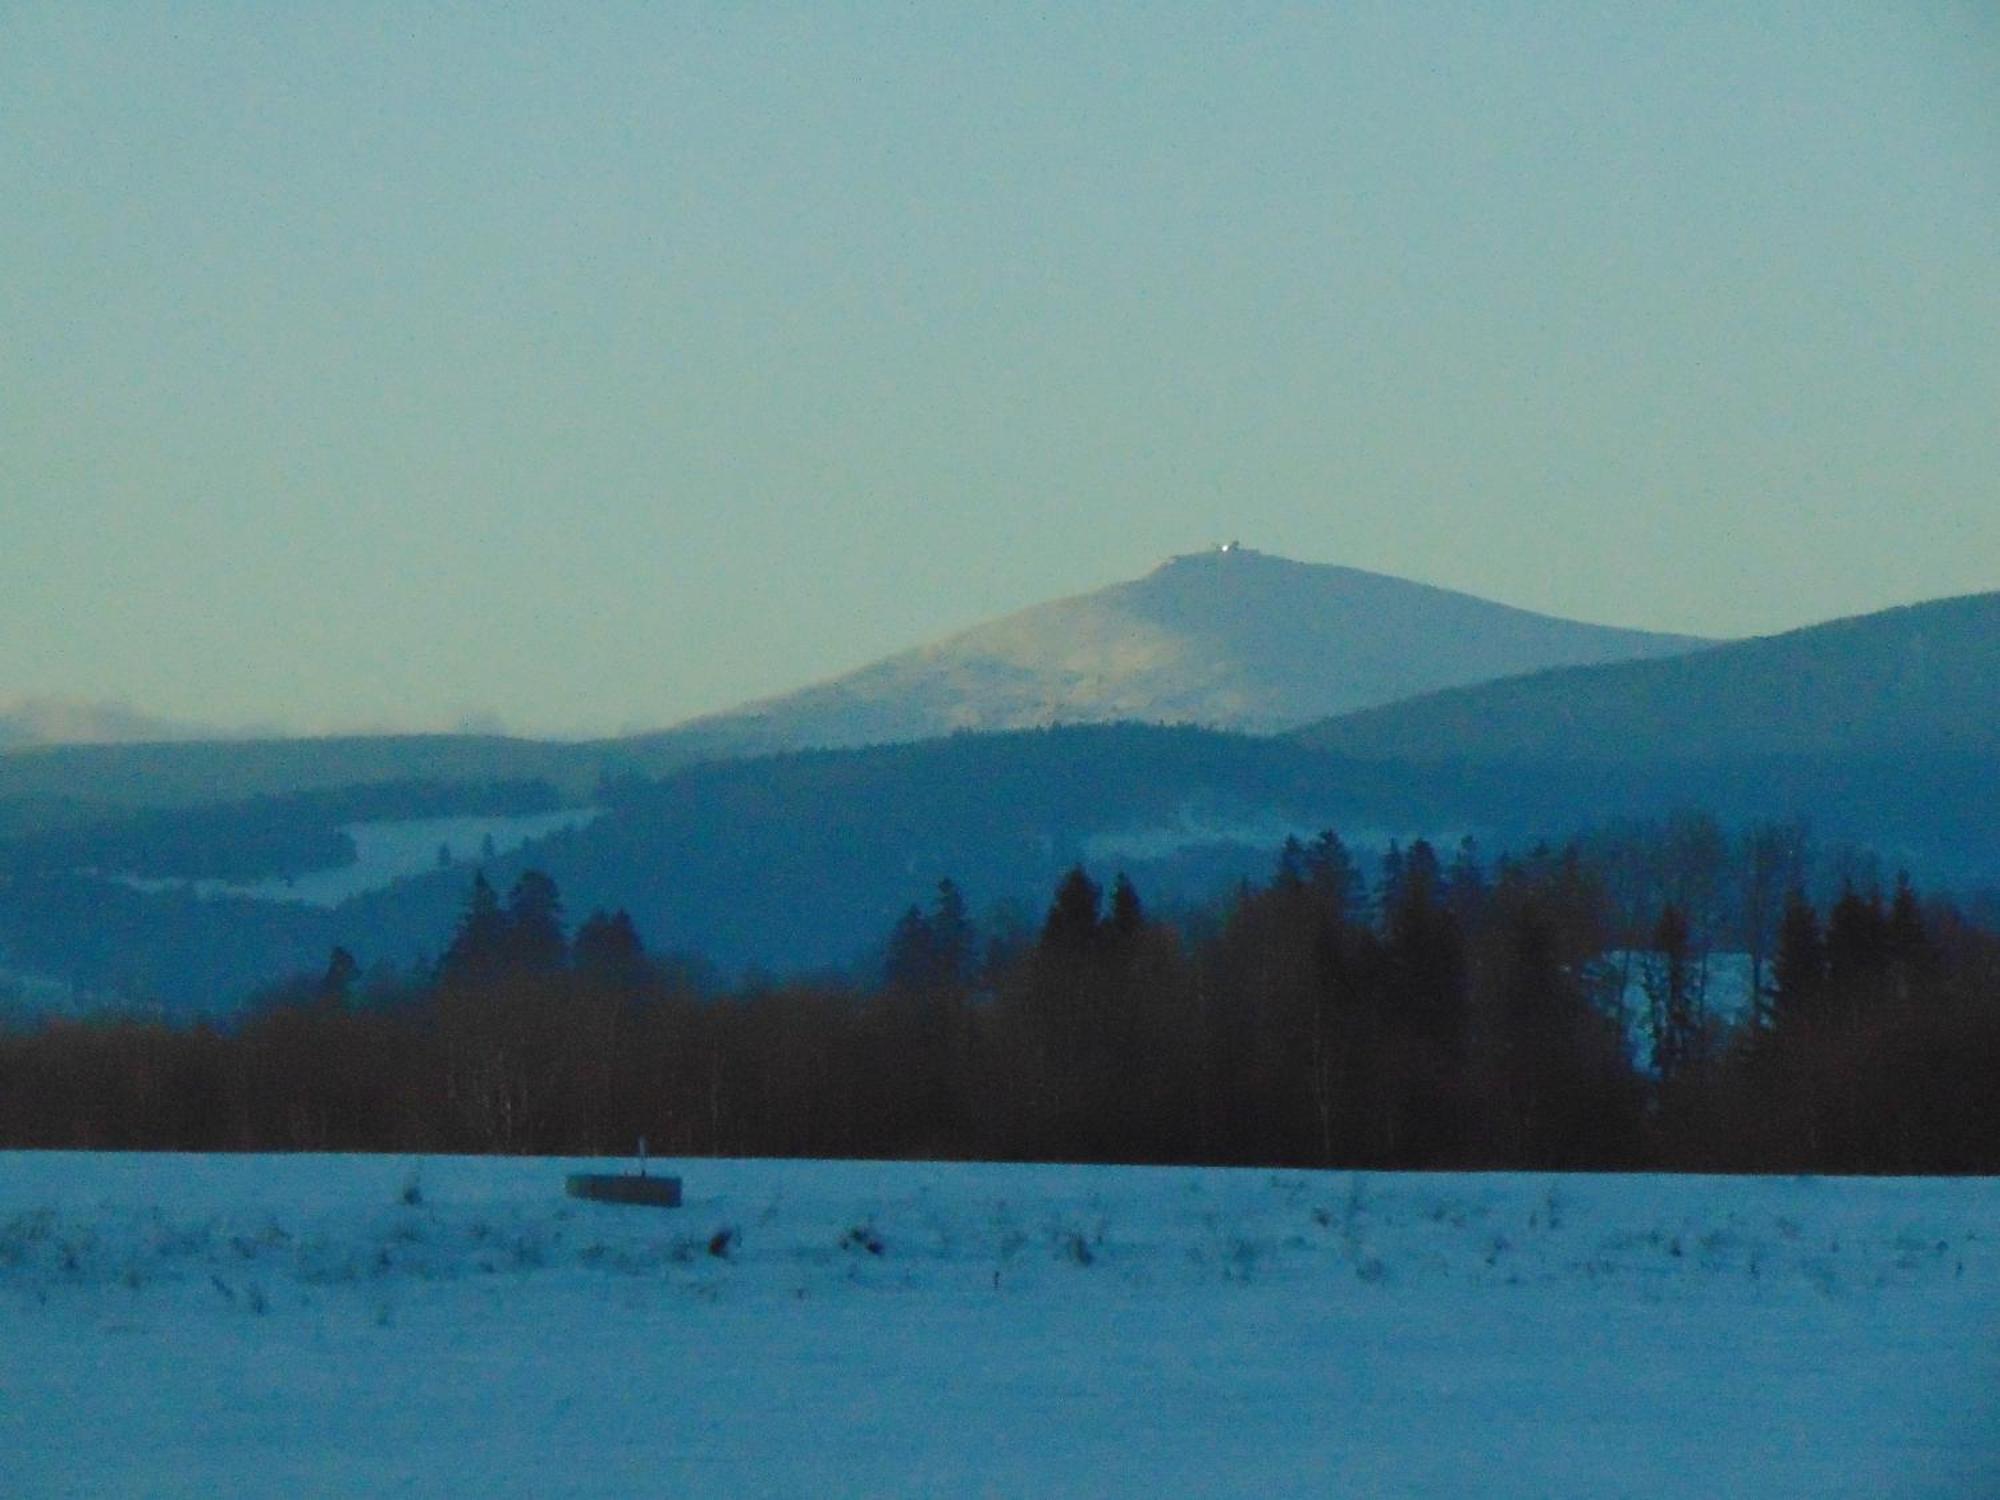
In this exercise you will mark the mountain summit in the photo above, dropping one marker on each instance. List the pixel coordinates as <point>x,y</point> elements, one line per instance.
<point>1231,637</point>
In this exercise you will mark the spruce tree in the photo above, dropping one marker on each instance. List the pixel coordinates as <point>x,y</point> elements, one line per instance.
<point>478,948</point>
<point>1906,940</point>
<point>1072,923</point>
<point>954,939</point>
<point>1128,917</point>
<point>1331,873</point>
<point>1798,978</point>
<point>910,967</point>
<point>608,951</point>
<point>535,942</point>
<point>338,981</point>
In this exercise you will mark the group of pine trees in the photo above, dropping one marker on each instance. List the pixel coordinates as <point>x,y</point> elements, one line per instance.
<point>1447,1013</point>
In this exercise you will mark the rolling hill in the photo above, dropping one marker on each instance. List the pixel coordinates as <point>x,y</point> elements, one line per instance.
<point>785,862</point>
<point>804,860</point>
<point>28,722</point>
<point>1231,639</point>
<point>1923,679</point>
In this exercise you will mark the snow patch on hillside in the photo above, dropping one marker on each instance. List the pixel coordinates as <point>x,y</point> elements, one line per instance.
<point>201,1325</point>
<point>389,851</point>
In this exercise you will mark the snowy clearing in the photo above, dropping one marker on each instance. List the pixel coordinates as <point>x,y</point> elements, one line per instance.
<point>386,852</point>
<point>187,1325</point>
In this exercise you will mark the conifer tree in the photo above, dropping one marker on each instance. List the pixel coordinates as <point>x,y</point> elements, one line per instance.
<point>911,963</point>
<point>1426,950</point>
<point>1072,923</point>
<point>953,936</point>
<point>535,941</point>
<point>1291,872</point>
<point>608,951</point>
<point>1465,883</point>
<point>1798,981</point>
<point>1128,917</point>
<point>338,981</point>
<point>1331,873</point>
<point>1906,939</point>
<point>479,946</point>
<point>1857,954</point>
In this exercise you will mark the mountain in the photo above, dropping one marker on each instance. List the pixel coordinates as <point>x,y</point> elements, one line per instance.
<point>1231,638</point>
<point>1922,680</point>
<point>1880,731</point>
<point>29,722</point>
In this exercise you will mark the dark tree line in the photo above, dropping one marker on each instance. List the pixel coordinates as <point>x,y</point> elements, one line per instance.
<point>1448,1013</point>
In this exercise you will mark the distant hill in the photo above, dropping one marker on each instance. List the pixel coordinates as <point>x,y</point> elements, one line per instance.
<point>1231,639</point>
<point>1880,731</point>
<point>28,722</point>
<point>804,860</point>
<point>782,862</point>
<point>1919,680</point>
<point>56,786</point>
<point>64,785</point>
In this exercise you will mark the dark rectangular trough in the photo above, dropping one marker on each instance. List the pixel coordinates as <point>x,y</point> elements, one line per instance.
<point>626,1187</point>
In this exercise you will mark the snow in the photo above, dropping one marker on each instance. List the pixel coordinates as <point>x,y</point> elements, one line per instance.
<point>188,1325</point>
<point>388,851</point>
<point>1722,993</point>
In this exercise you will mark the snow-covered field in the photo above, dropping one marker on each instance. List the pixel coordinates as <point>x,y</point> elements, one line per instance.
<point>201,1326</point>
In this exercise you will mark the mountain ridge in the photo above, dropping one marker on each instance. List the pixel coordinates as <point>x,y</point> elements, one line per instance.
<point>1230,638</point>
<point>41,721</point>
<point>1916,675</point>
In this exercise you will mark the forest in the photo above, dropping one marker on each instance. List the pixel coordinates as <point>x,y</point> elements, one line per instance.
<point>1558,1009</point>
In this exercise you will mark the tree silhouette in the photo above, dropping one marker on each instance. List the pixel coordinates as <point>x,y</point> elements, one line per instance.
<point>1072,923</point>
<point>954,939</point>
<point>478,950</point>
<point>1128,918</point>
<point>1673,1006</point>
<point>338,981</point>
<point>608,952</point>
<point>535,942</point>
<point>1798,980</point>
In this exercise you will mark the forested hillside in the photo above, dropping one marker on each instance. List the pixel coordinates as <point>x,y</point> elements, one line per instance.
<point>1922,681</point>
<point>797,862</point>
<point>1448,1012</point>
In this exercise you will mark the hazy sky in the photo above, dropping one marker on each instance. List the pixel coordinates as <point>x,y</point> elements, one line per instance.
<point>598,365</point>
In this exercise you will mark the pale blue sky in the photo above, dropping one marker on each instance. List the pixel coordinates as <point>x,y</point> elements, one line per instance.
<point>595,366</point>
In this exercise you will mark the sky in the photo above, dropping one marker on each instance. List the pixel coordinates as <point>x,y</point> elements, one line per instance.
<point>584,368</point>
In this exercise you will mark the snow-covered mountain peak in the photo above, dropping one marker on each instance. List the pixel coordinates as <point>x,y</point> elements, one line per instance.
<point>1228,636</point>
